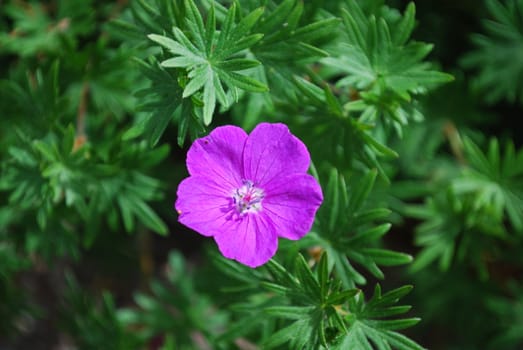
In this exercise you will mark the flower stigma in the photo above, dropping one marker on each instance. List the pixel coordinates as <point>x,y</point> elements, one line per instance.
<point>248,198</point>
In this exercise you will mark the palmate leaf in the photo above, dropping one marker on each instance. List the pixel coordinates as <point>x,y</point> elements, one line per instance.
<point>314,298</point>
<point>164,102</point>
<point>46,175</point>
<point>318,303</point>
<point>306,306</point>
<point>289,45</point>
<point>474,212</point>
<point>454,231</point>
<point>349,232</point>
<point>377,60</point>
<point>144,17</point>
<point>295,306</point>
<point>495,180</point>
<point>483,200</point>
<point>498,56</point>
<point>213,61</point>
<point>369,327</point>
<point>331,126</point>
<point>286,39</point>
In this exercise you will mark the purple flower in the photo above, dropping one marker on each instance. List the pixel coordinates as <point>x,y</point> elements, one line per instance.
<point>248,190</point>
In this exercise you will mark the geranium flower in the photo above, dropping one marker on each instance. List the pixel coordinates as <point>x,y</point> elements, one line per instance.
<point>245,191</point>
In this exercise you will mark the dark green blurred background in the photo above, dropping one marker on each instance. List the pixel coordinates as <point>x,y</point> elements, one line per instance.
<point>52,287</point>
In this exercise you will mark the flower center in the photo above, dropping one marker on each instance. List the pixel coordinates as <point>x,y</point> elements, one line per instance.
<point>248,198</point>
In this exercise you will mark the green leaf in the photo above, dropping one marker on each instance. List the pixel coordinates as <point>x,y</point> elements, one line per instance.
<point>401,342</point>
<point>496,59</point>
<point>245,25</point>
<point>149,217</point>
<point>210,62</point>
<point>316,30</point>
<point>199,77</point>
<point>195,24</point>
<point>233,79</point>
<point>209,100</point>
<point>377,59</point>
<point>387,257</point>
<point>342,297</point>
<point>290,312</point>
<point>307,278</point>
<point>277,16</point>
<point>46,150</point>
<point>238,64</point>
<point>286,334</point>
<point>362,191</point>
<point>398,324</point>
<point>126,211</point>
<point>367,325</point>
<point>164,98</point>
<point>173,46</point>
<point>322,274</point>
<point>354,339</point>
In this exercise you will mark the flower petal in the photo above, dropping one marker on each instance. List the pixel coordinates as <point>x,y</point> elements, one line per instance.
<point>219,155</point>
<point>291,203</point>
<point>270,151</point>
<point>250,240</point>
<point>203,205</point>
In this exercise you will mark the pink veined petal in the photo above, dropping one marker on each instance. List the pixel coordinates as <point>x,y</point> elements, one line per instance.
<point>203,205</point>
<point>291,203</point>
<point>219,155</point>
<point>251,241</point>
<point>271,151</point>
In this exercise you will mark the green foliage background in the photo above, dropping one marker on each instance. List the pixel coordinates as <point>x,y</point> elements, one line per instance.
<point>409,111</point>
